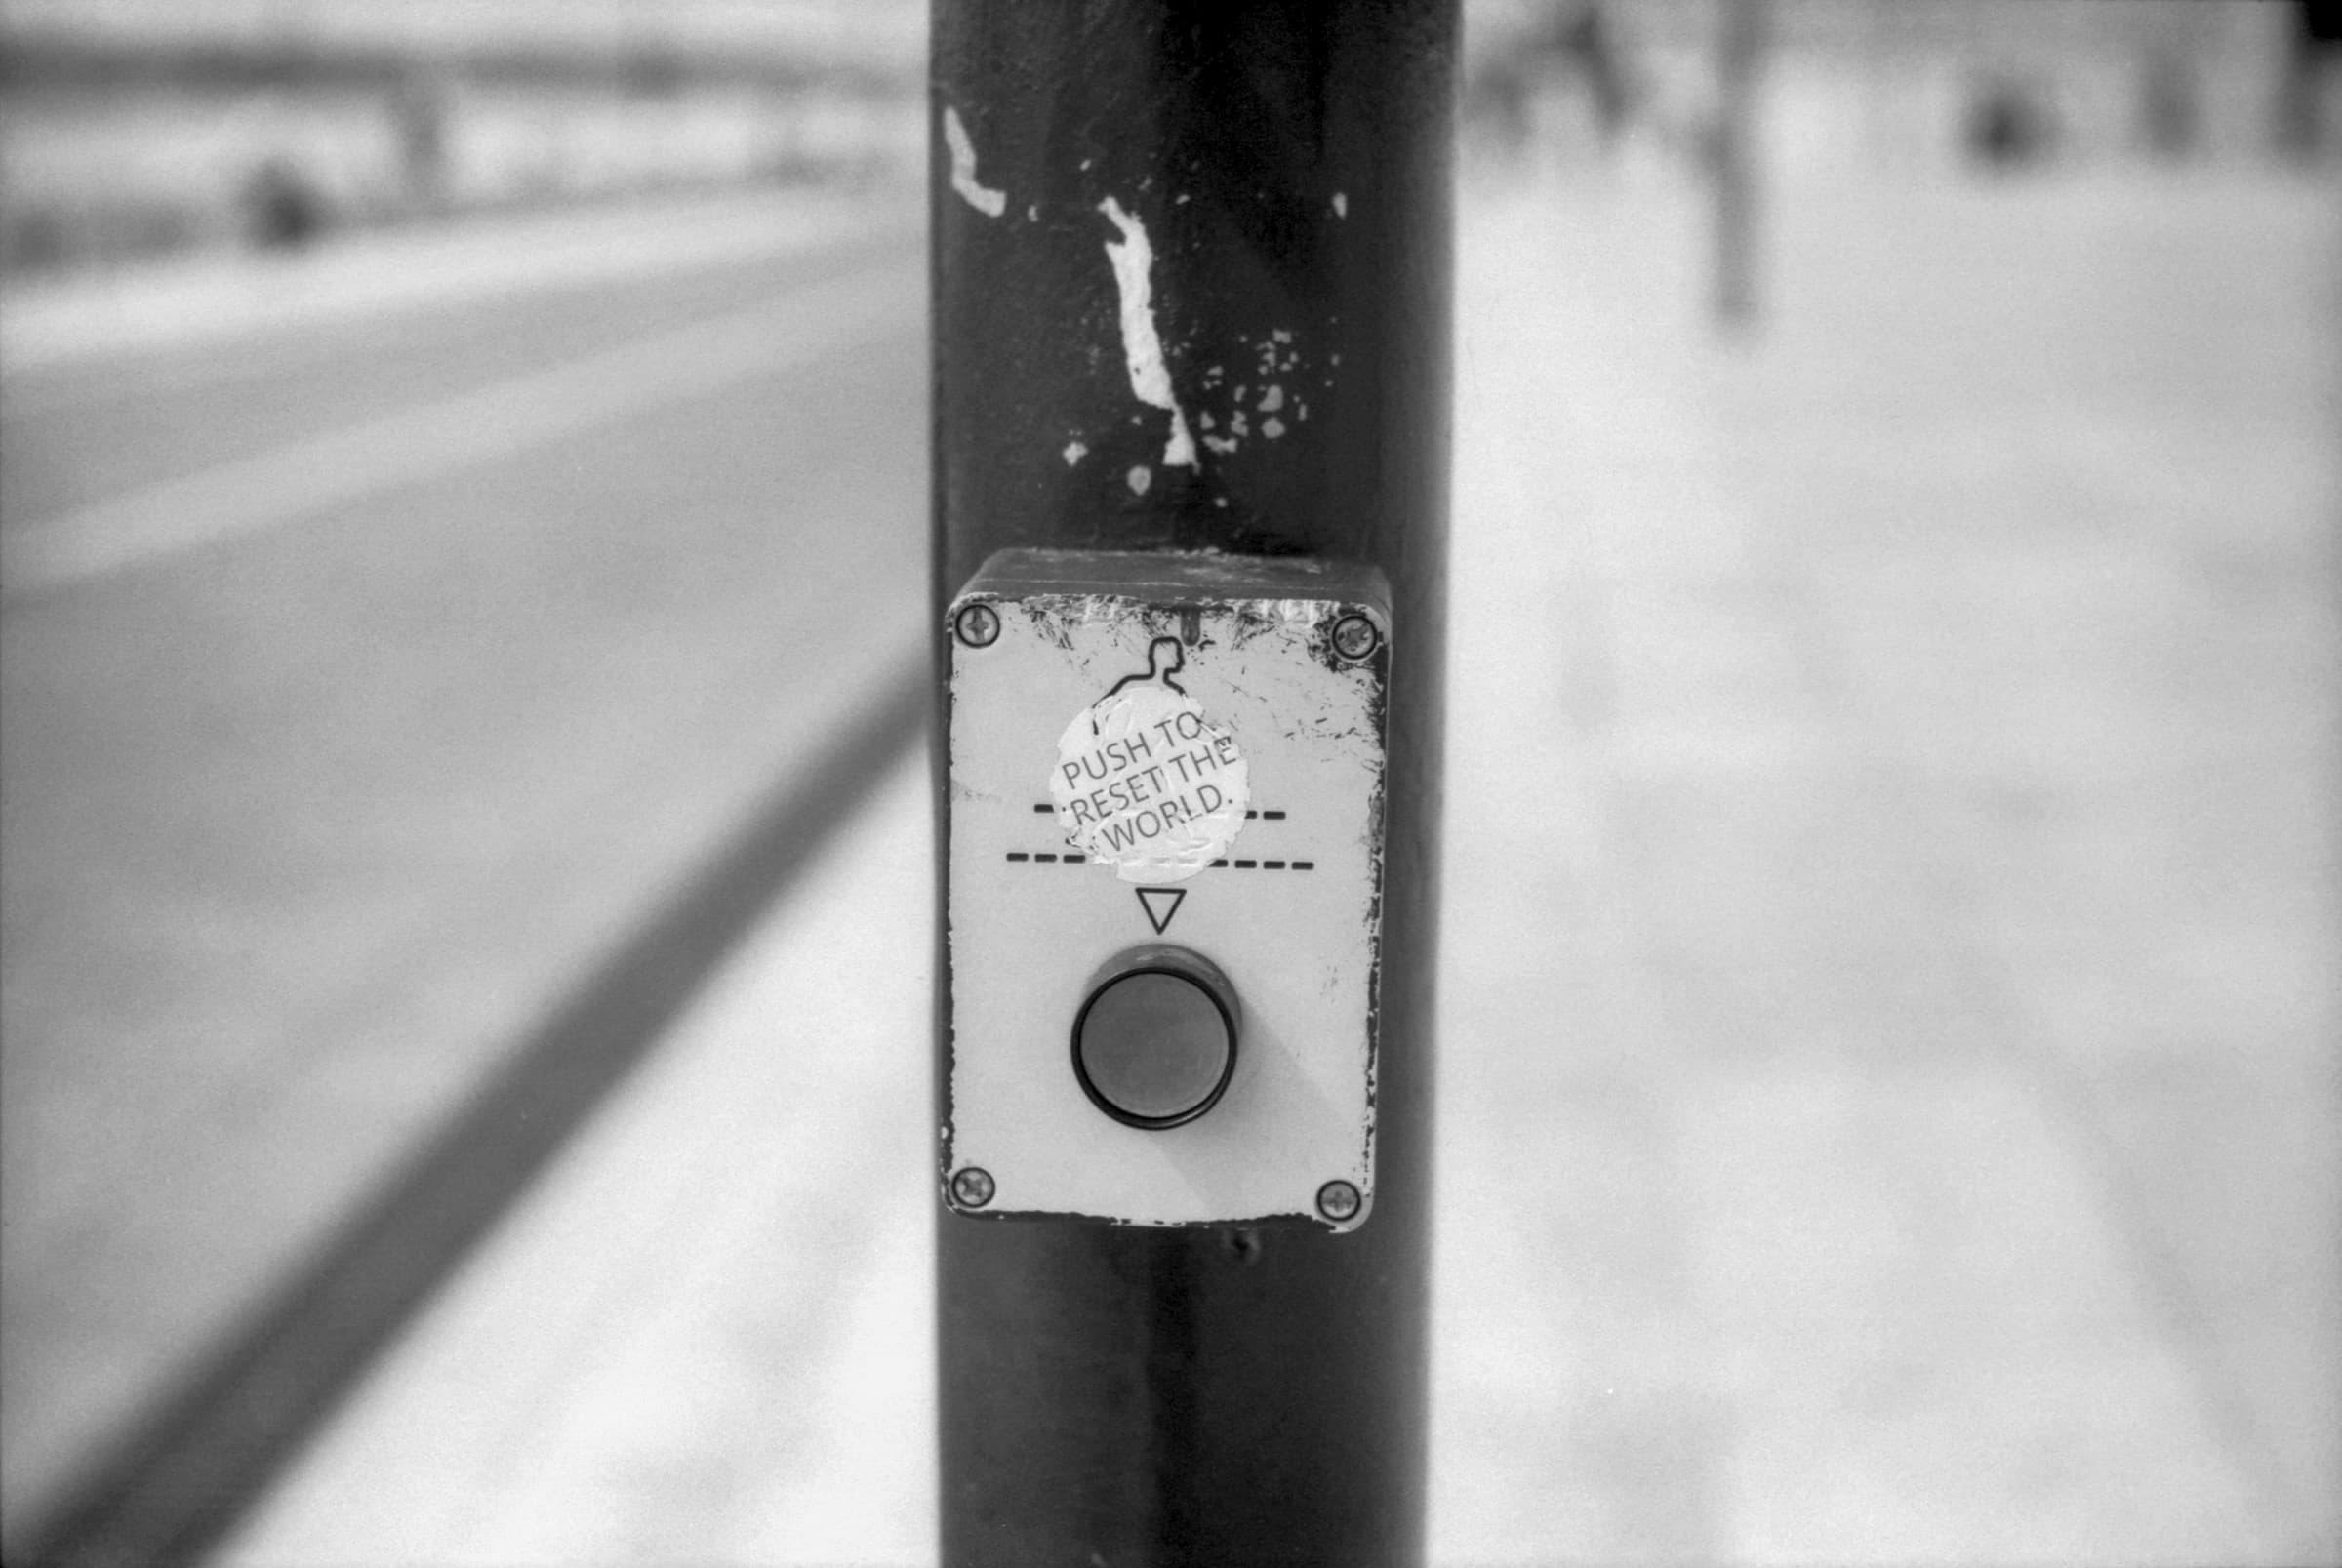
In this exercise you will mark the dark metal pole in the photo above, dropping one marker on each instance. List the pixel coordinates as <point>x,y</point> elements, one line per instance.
<point>1228,1396</point>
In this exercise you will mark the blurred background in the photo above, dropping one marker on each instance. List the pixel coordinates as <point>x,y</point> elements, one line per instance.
<point>464,859</point>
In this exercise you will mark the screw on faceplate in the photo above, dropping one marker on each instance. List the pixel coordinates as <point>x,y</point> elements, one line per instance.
<point>1354,637</point>
<point>1337,1201</point>
<point>971,1187</point>
<point>979,625</point>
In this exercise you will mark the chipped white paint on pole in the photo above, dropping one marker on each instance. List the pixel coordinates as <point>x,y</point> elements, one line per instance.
<point>992,203</point>
<point>1133,261</point>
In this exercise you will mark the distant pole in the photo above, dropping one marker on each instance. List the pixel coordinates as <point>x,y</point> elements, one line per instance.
<point>1125,1395</point>
<point>2313,55</point>
<point>1734,155</point>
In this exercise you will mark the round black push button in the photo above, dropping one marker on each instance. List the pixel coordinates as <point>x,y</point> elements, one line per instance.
<point>1155,1042</point>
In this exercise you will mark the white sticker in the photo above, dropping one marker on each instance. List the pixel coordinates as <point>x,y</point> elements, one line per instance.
<point>1145,783</point>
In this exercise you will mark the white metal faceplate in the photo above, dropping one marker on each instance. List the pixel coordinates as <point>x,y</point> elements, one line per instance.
<point>1259,727</point>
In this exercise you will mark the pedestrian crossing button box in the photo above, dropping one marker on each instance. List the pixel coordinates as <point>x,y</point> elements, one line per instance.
<point>1163,888</point>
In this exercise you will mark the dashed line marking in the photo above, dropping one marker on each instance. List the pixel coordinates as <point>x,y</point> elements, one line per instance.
<point>1046,858</point>
<point>1044,809</point>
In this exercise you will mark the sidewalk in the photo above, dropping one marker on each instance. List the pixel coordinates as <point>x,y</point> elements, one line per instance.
<point>706,1335</point>
<point>1887,1053</point>
<point>1887,1064</point>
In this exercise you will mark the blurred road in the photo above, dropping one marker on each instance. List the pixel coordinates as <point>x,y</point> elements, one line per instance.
<point>1888,1102</point>
<point>367,667</point>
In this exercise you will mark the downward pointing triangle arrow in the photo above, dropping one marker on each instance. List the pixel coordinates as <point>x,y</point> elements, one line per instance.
<point>1162,903</point>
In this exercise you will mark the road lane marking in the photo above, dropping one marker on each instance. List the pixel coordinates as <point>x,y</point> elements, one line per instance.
<point>320,475</point>
<point>124,317</point>
<point>175,342</point>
